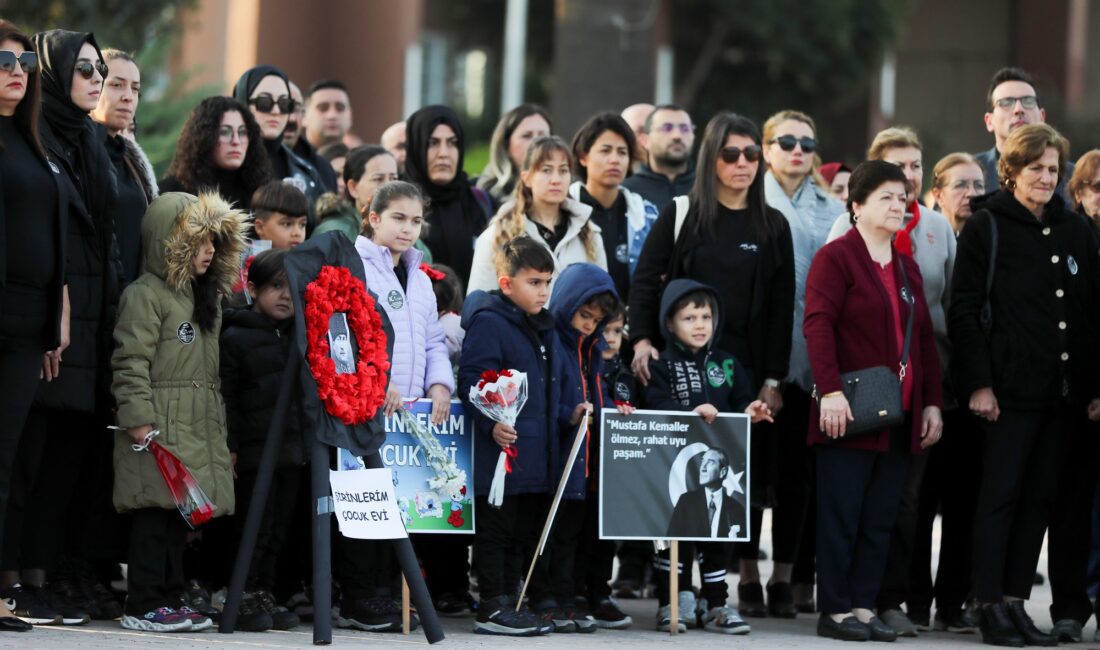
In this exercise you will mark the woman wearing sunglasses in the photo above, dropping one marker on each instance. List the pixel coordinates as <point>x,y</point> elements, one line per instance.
<point>68,411</point>
<point>33,208</point>
<point>220,147</point>
<point>265,89</point>
<point>791,188</point>
<point>928,238</point>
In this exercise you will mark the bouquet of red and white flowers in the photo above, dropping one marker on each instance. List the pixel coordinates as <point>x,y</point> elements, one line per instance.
<point>500,395</point>
<point>193,504</point>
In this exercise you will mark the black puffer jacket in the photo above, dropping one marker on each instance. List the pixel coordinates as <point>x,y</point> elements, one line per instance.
<point>254,352</point>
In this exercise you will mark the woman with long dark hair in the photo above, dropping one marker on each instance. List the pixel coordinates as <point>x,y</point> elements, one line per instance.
<point>727,237</point>
<point>33,211</point>
<point>220,148</point>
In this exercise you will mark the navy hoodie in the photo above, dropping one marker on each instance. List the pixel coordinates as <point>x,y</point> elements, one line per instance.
<point>583,371</point>
<point>681,380</point>
<point>500,335</point>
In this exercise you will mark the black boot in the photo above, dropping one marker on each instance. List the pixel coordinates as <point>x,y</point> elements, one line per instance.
<point>1027,629</point>
<point>997,628</point>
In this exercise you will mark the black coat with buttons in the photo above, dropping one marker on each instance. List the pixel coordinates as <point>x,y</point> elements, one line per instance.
<point>1044,343</point>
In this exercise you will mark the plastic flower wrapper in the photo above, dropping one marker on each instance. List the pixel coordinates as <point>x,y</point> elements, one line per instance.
<point>193,504</point>
<point>448,479</point>
<point>500,395</point>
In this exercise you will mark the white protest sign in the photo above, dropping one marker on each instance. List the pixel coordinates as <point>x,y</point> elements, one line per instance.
<point>364,504</point>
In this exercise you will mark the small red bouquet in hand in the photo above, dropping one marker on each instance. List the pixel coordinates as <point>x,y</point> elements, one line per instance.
<point>193,504</point>
<point>500,395</point>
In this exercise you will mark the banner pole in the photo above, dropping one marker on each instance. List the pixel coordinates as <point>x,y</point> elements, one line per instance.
<point>406,615</point>
<point>674,586</point>
<point>577,440</point>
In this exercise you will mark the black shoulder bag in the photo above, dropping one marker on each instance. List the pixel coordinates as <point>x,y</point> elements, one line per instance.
<point>874,394</point>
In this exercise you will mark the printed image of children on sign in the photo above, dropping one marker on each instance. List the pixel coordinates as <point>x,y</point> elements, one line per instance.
<point>433,497</point>
<point>670,475</point>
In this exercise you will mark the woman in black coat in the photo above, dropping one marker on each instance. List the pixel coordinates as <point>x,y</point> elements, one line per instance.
<point>1029,371</point>
<point>732,241</point>
<point>33,212</point>
<point>70,412</point>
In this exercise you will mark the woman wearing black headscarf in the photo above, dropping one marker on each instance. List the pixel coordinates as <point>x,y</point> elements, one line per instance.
<point>265,89</point>
<point>32,214</point>
<point>458,211</point>
<point>70,412</point>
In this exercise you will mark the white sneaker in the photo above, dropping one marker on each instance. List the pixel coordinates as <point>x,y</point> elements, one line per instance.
<point>686,599</point>
<point>725,620</point>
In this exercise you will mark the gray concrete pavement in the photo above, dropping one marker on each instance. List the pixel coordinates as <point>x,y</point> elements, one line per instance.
<point>766,633</point>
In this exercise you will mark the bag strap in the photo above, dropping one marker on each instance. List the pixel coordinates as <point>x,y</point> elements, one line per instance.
<point>682,204</point>
<point>985,316</point>
<point>904,363</point>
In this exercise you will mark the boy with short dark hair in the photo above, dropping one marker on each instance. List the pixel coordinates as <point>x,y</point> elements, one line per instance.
<point>509,328</point>
<point>691,375</point>
<point>280,212</point>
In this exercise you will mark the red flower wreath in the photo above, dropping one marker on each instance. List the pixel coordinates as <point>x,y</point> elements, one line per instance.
<point>353,398</point>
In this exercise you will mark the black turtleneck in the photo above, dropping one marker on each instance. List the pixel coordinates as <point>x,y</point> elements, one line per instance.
<point>30,207</point>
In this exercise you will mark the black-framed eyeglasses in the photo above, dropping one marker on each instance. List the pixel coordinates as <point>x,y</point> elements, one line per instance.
<point>87,69</point>
<point>226,132</point>
<point>27,60</point>
<point>730,155</point>
<point>788,142</point>
<point>1008,103</point>
<point>264,103</point>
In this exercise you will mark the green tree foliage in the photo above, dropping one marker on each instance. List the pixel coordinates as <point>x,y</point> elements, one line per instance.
<point>761,56</point>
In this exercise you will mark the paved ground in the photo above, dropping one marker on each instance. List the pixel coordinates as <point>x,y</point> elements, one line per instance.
<point>767,633</point>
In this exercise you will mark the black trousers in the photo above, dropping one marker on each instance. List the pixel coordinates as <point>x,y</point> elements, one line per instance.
<point>634,558</point>
<point>903,539</point>
<point>555,572</point>
<point>858,493</point>
<point>278,520</point>
<point>713,558</point>
<point>445,559</point>
<point>595,556</point>
<point>1071,522</point>
<point>155,574</point>
<point>503,537</point>
<point>782,458</point>
<point>951,482</point>
<point>1020,466</point>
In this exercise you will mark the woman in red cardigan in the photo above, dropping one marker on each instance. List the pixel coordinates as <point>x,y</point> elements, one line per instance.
<point>857,304</point>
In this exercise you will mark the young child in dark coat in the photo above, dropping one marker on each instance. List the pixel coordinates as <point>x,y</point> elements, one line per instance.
<point>255,345</point>
<point>510,329</point>
<point>691,375</point>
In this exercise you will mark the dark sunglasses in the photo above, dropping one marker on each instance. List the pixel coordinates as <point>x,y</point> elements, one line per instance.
<point>265,102</point>
<point>730,155</point>
<point>27,60</point>
<point>87,69</point>
<point>787,143</point>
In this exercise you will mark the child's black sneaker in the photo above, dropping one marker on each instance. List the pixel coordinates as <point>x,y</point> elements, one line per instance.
<point>281,617</point>
<point>376,614</point>
<point>609,616</point>
<point>499,616</point>
<point>454,605</point>
<point>162,619</point>
<point>551,614</point>
<point>197,598</point>
<point>251,617</point>
<point>301,603</point>
<point>583,620</point>
<point>26,603</point>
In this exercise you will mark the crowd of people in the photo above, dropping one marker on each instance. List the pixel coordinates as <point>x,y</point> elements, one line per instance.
<point>614,268</point>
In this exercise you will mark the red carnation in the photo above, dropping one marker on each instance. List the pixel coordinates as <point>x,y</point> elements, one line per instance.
<point>433,275</point>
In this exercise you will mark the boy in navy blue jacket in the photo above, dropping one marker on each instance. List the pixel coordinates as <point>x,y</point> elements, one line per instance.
<point>691,375</point>
<point>510,329</point>
<point>579,566</point>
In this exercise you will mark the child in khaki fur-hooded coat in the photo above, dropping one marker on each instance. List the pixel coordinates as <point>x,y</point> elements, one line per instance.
<point>166,377</point>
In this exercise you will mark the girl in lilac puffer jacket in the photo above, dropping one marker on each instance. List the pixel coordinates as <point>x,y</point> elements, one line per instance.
<point>420,364</point>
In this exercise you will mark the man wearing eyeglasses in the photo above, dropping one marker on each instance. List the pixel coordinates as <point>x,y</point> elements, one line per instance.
<point>1012,102</point>
<point>669,172</point>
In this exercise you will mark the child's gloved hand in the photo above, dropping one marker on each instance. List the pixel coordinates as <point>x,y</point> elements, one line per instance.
<point>707,411</point>
<point>441,403</point>
<point>579,412</point>
<point>393,401</point>
<point>759,410</point>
